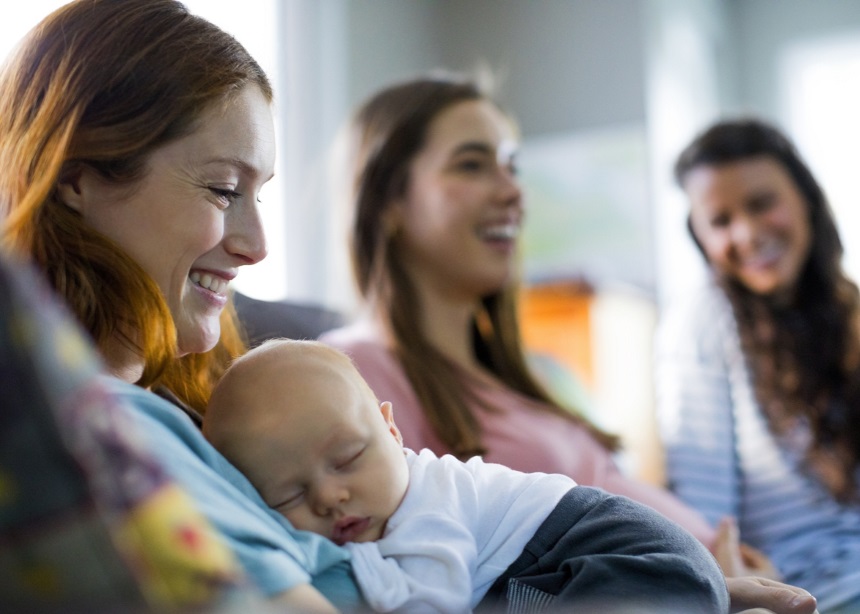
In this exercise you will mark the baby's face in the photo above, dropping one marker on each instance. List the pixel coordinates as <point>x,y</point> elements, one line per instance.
<point>332,462</point>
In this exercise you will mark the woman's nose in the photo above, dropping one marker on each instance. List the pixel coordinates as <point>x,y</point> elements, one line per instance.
<point>510,190</point>
<point>742,232</point>
<point>244,235</point>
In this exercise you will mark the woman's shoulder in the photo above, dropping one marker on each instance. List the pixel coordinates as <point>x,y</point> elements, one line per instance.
<point>703,306</point>
<point>364,343</point>
<point>703,313</point>
<point>361,334</point>
<point>701,302</point>
<point>167,427</point>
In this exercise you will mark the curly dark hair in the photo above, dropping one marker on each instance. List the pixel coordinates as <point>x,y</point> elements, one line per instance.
<point>804,354</point>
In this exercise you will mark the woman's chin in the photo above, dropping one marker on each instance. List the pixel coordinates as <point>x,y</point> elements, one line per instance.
<point>198,342</point>
<point>768,285</point>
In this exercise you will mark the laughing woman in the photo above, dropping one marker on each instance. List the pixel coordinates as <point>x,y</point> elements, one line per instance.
<point>135,139</point>
<point>758,376</point>
<point>436,210</point>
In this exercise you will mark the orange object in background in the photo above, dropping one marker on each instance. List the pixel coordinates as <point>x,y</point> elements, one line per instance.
<point>604,340</point>
<point>556,320</point>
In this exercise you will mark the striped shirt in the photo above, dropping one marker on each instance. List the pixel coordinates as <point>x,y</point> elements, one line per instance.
<point>723,460</point>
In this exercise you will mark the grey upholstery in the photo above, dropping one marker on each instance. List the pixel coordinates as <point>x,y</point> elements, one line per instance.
<point>267,319</point>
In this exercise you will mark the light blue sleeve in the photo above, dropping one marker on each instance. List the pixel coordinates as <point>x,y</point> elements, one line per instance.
<point>695,405</point>
<point>274,555</point>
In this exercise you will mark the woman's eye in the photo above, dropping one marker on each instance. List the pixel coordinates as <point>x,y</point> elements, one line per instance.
<point>470,166</point>
<point>225,196</point>
<point>720,221</point>
<point>762,203</point>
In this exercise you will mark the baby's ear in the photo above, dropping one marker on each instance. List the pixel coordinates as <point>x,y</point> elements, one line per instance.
<point>388,413</point>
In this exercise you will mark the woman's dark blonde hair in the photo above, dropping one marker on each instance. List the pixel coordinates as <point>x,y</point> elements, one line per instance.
<point>387,132</point>
<point>102,84</point>
<point>804,355</point>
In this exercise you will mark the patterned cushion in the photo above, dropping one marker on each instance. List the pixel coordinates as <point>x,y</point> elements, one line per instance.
<point>88,519</point>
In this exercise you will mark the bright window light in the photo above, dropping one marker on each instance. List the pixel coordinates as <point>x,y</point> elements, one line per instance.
<point>255,26</point>
<point>821,92</point>
<point>17,22</point>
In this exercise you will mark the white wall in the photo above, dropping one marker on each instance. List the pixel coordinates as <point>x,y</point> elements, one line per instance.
<point>685,42</point>
<point>803,66</point>
<point>564,65</point>
<point>256,28</point>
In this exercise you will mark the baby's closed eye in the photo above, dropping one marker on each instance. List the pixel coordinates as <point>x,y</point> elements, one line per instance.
<point>291,500</point>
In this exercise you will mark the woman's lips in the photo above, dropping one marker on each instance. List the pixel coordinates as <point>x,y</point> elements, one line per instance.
<point>348,529</point>
<point>210,281</point>
<point>765,257</point>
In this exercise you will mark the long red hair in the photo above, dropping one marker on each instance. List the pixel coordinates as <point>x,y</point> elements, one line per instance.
<point>103,84</point>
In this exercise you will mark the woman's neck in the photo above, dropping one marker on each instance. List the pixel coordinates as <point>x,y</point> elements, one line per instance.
<point>447,325</point>
<point>449,331</point>
<point>122,362</point>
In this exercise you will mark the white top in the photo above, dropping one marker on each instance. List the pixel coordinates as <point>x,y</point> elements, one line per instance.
<point>723,460</point>
<point>519,433</point>
<point>458,528</point>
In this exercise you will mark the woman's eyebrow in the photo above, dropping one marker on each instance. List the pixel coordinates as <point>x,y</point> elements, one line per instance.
<point>244,167</point>
<point>504,152</point>
<point>475,147</point>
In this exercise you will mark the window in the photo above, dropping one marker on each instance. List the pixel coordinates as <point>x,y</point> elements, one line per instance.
<point>254,24</point>
<point>822,95</point>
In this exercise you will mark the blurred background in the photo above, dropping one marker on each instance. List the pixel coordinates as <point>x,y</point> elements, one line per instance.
<point>606,94</point>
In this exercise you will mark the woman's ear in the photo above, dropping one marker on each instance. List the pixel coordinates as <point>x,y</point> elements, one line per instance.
<point>694,237</point>
<point>391,218</point>
<point>81,188</point>
<point>69,187</point>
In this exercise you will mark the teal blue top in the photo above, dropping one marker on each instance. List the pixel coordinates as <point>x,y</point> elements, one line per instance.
<point>274,555</point>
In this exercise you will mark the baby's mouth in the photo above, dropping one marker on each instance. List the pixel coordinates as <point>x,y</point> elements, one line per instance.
<point>348,529</point>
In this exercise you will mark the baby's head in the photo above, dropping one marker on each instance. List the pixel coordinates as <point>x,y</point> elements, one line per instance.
<point>301,423</point>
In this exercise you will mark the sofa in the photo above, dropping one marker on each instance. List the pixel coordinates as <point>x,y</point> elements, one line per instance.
<point>263,319</point>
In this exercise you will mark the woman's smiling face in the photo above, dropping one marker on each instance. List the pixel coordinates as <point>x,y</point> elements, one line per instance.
<point>460,218</point>
<point>192,220</point>
<point>752,222</point>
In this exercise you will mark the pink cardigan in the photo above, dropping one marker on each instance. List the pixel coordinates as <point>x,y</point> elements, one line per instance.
<point>521,436</point>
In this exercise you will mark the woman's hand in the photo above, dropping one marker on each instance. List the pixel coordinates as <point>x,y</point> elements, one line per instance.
<point>751,595</point>
<point>752,579</point>
<point>737,559</point>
